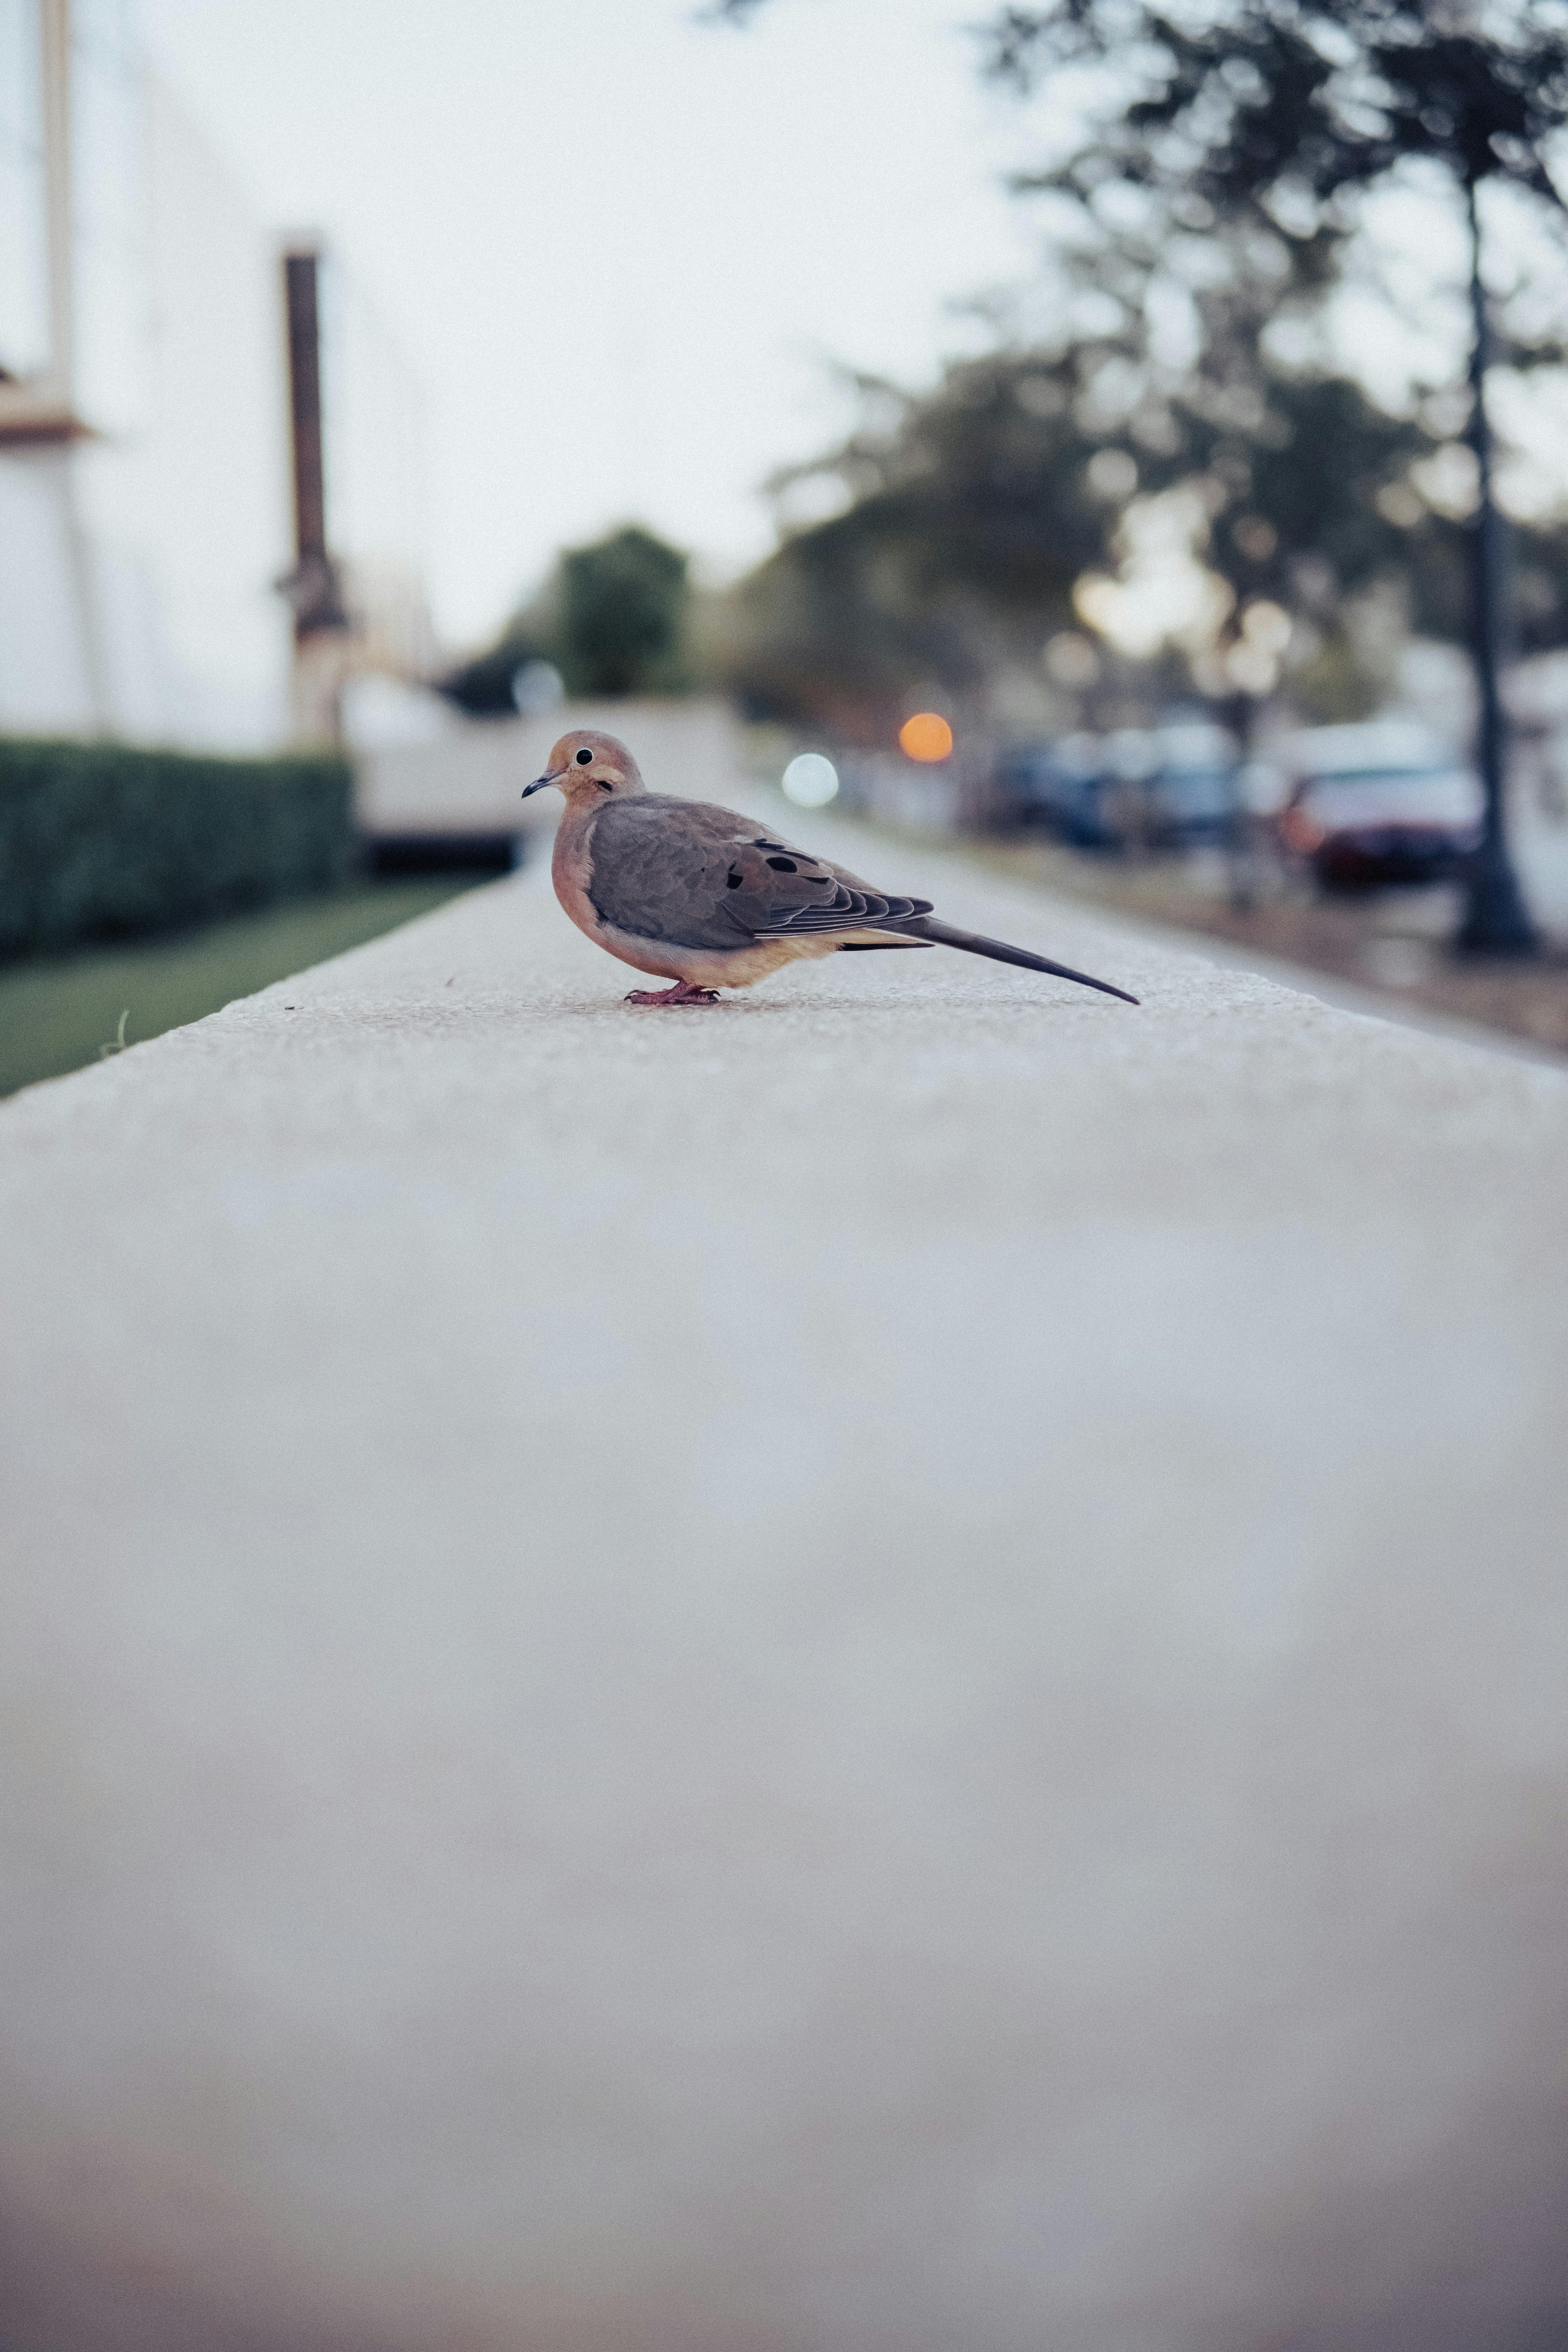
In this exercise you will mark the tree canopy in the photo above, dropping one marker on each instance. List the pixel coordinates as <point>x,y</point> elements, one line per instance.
<point>622,607</point>
<point>612,618</point>
<point>1214,176</point>
<point>973,514</point>
<point>1288,105</point>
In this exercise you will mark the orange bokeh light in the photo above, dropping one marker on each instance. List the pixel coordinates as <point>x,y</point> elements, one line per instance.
<point>926,736</point>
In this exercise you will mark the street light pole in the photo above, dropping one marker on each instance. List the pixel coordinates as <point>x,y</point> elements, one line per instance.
<point>1497,921</point>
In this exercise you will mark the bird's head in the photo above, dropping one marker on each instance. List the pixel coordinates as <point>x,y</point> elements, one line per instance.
<point>589,766</point>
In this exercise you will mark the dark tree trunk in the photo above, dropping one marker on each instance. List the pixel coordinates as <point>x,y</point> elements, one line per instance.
<point>1497,921</point>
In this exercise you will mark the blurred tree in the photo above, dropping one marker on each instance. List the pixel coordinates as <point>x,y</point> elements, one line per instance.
<point>1273,116</point>
<point>622,615</point>
<point>1243,132</point>
<point>967,518</point>
<point>970,515</point>
<point>612,618</point>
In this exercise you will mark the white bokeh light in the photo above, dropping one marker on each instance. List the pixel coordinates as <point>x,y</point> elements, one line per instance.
<point>810,780</point>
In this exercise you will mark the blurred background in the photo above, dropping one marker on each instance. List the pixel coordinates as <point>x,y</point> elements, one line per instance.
<point>375,386</point>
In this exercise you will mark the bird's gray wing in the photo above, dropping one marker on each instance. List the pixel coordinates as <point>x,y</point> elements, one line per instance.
<point>695,876</point>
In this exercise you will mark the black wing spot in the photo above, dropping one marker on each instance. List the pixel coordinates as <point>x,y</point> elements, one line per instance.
<point>732,881</point>
<point>760,843</point>
<point>822,881</point>
<point>784,865</point>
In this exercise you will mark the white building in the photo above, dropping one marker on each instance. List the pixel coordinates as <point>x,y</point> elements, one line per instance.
<point>146,465</point>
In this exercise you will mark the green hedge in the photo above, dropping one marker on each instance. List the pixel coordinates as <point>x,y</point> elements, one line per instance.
<point>98,841</point>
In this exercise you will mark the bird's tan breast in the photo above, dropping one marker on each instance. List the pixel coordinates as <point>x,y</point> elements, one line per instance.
<point>571,871</point>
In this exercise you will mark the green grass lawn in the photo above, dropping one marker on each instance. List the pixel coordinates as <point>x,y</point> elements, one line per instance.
<point>59,1013</point>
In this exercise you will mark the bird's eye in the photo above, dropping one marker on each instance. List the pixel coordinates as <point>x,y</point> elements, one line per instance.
<point>584,757</point>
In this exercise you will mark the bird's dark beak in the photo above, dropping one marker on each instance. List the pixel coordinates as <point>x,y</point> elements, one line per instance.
<point>540,782</point>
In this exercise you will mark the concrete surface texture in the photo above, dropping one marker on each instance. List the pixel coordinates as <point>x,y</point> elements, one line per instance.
<point>873,1670</point>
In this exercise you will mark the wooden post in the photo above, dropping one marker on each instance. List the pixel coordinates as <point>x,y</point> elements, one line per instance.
<point>321,626</point>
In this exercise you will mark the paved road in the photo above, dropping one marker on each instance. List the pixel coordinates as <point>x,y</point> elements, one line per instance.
<point>878,1670</point>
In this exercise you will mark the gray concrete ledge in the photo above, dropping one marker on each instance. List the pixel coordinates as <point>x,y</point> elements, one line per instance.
<point>876,1671</point>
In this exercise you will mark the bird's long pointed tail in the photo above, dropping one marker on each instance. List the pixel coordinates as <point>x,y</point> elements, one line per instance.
<point>927,927</point>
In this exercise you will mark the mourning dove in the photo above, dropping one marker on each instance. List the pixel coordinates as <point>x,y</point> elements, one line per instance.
<point>710,899</point>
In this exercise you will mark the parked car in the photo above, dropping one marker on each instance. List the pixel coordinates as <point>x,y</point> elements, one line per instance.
<point>1066,786</point>
<point>1191,791</point>
<point>1168,787</point>
<point>1381,802</point>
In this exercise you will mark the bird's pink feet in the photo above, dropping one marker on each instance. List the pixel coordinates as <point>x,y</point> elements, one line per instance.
<point>681,993</point>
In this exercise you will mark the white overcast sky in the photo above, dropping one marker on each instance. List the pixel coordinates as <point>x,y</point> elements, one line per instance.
<point>620,246</point>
